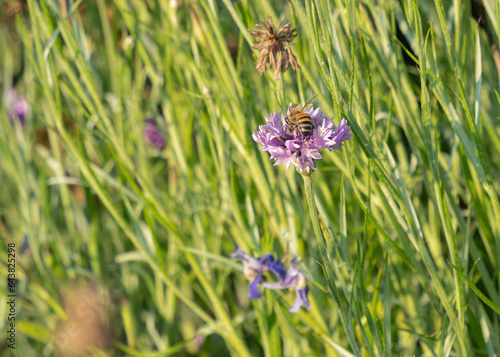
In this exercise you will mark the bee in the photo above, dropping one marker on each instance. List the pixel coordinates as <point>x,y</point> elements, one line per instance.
<point>298,119</point>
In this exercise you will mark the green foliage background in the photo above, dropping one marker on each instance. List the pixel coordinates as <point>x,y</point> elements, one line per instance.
<point>409,207</point>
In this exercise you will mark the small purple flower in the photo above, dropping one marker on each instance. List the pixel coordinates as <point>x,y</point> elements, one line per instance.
<point>17,107</point>
<point>294,279</point>
<point>153,135</point>
<point>254,269</point>
<point>286,148</point>
<point>25,245</point>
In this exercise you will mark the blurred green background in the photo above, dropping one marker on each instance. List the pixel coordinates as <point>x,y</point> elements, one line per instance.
<point>127,248</point>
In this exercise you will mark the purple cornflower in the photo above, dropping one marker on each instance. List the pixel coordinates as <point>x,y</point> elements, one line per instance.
<point>287,148</point>
<point>295,279</point>
<point>153,135</point>
<point>254,269</point>
<point>17,107</point>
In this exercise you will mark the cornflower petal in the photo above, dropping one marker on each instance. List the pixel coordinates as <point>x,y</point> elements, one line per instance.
<point>301,299</point>
<point>253,288</point>
<point>277,268</point>
<point>284,157</point>
<point>252,267</point>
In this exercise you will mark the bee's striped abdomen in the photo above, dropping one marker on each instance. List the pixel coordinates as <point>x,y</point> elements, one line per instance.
<point>304,123</point>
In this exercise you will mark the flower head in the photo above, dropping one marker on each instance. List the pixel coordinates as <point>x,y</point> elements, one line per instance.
<point>295,279</point>
<point>153,135</point>
<point>254,269</point>
<point>17,107</point>
<point>287,147</point>
<point>274,46</point>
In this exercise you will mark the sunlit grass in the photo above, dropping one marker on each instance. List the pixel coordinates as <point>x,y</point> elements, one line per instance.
<point>409,207</point>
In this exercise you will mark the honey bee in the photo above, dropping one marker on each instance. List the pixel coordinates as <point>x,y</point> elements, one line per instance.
<point>298,119</point>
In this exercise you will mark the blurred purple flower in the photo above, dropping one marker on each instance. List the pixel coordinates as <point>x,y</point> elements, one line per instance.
<point>25,245</point>
<point>286,148</point>
<point>295,279</point>
<point>17,107</point>
<point>254,269</point>
<point>153,135</point>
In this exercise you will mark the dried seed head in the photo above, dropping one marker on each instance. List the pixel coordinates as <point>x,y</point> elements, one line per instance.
<point>274,46</point>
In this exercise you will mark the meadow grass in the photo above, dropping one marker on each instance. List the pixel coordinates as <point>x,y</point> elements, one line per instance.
<point>409,210</point>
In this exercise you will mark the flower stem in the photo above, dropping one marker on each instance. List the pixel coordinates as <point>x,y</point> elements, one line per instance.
<point>280,93</point>
<point>314,214</point>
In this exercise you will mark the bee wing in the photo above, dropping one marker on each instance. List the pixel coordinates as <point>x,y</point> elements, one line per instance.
<point>308,105</point>
<point>293,107</point>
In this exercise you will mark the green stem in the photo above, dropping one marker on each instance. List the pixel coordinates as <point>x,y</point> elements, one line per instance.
<point>326,261</point>
<point>280,93</point>
<point>314,214</point>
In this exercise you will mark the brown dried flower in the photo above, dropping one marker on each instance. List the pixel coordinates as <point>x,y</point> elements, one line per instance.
<point>87,328</point>
<point>274,46</point>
